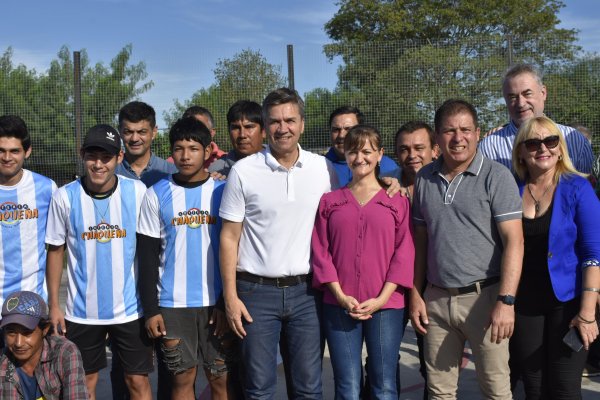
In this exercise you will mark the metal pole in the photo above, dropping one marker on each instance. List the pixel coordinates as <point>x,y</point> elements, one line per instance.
<point>78,108</point>
<point>510,50</point>
<point>290,62</point>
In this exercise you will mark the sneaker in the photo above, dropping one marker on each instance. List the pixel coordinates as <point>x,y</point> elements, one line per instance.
<point>590,370</point>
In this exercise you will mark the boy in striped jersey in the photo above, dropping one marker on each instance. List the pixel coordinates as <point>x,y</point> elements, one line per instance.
<point>24,200</point>
<point>95,218</point>
<point>178,247</point>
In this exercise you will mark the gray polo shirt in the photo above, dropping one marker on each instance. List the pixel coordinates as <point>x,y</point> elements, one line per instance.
<point>461,216</point>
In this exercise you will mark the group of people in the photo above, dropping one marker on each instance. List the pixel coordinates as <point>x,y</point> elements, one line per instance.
<point>217,259</point>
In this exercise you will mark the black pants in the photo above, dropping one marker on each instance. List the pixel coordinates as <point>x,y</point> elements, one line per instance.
<point>549,369</point>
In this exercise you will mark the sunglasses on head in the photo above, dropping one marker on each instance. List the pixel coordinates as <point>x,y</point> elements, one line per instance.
<point>534,144</point>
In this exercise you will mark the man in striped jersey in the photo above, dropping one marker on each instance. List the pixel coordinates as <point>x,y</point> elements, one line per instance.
<point>24,200</point>
<point>178,247</point>
<point>525,96</point>
<point>95,218</point>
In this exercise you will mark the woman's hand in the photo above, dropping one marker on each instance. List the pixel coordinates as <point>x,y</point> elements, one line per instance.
<point>367,308</point>
<point>587,331</point>
<point>348,303</point>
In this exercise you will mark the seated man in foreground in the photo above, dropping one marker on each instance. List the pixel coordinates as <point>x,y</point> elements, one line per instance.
<point>34,364</point>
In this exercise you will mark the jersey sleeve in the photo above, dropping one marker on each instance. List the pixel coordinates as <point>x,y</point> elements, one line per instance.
<point>149,221</point>
<point>58,219</point>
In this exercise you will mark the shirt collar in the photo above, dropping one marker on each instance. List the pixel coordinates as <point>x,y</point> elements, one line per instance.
<point>474,168</point>
<point>151,162</point>
<point>274,164</point>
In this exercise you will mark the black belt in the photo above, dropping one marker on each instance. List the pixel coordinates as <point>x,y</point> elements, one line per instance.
<point>282,282</point>
<point>474,287</point>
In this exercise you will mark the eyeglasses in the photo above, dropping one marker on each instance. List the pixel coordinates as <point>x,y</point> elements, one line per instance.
<point>535,144</point>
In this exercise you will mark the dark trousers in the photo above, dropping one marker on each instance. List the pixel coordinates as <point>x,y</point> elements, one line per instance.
<point>549,369</point>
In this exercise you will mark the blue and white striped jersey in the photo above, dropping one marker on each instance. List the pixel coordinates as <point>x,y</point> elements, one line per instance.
<point>187,222</point>
<point>499,145</point>
<point>23,215</point>
<point>101,243</point>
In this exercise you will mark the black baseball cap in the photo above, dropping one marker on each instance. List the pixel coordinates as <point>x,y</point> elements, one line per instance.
<point>24,308</point>
<point>103,136</point>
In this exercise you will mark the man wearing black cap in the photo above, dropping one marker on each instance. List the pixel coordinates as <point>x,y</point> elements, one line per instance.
<point>95,217</point>
<point>34,365</point>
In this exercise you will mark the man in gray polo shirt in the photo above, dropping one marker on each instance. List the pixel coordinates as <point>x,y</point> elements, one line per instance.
<point>469,245</point>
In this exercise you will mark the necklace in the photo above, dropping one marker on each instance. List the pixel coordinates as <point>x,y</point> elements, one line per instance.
<point>536,202</point>
<point>102,214</point>
<point>365,199</point>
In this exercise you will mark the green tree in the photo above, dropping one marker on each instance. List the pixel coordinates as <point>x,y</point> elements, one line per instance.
<point>577,101</point>
<point>46,102</point>
<point>405,57</point>
<point>246,76</point>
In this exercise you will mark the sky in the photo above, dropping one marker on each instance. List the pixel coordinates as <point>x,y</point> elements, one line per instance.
<point>182,40</point>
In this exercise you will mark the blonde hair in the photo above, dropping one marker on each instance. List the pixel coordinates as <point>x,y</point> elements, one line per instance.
<point>528,129</point>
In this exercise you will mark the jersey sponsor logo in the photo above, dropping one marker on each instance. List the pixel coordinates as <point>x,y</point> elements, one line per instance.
<point>11,214</point>
<point>104,233</point>
<point>193,218</point>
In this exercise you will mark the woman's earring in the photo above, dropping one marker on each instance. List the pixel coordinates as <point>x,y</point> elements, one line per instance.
<point>560,157</point>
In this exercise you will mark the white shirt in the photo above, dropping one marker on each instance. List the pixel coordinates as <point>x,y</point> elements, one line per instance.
<point>23,215</point>
<point>187,223</point>
<point>101,262</point>
<point>277,207</point>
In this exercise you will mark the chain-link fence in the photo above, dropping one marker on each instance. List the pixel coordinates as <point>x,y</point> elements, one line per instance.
<point>390,82</point>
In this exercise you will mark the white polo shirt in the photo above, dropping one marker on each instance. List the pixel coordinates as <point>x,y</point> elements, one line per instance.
<point>277,207</point>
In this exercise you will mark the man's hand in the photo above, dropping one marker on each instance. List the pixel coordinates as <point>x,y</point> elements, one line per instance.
<point>219,320</point>
<point>57,319</point>
<point>493,130</point>
<point>418,312</point>
<point>393,186</point>
<point>502,322</point>
<point>217,176</point>
<point>236,310</point>
<point>155,326</point>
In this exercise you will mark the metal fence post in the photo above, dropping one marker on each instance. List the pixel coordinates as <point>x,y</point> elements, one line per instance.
<point>290,63</point>
<point>78,109</point>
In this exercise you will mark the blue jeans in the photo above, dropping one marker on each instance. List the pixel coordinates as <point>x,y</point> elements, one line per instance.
<point>295,312</point>
<point>382,335</point>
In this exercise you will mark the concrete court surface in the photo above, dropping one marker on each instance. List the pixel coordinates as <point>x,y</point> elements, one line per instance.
<point>412,383</point>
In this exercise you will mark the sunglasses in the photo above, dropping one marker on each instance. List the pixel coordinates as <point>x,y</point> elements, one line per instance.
<point>535,144</point>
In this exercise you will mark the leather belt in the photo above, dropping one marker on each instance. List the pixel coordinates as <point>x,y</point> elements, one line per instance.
<point>283,282</point>
<point>474,287</point>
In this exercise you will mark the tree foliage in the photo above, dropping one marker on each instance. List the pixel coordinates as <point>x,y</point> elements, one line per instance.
<point>246,76</point>
<point>45,100</point>
<point>405,57</point>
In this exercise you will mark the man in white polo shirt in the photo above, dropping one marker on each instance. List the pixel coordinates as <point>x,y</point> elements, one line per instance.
<point>268,211</point>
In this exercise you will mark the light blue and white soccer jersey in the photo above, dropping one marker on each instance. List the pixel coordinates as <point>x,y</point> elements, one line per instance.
<point>187,222</point>
<point>23,215</point>
<point>100,238</point>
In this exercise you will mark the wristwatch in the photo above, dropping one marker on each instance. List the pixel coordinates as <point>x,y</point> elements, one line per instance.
<point>506,299</point>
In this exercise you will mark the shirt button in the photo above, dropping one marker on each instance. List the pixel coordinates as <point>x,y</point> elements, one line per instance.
<point>549,254</point>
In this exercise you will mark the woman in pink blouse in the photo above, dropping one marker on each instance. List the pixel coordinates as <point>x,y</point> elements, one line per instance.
<point>362,257</point>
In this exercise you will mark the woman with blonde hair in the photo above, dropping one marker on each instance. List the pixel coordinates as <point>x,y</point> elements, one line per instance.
<point>363,260</point>
<point>560,280</point>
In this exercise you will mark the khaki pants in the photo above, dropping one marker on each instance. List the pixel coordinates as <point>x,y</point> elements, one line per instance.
<point>452,321</point>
